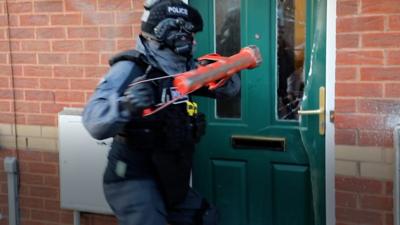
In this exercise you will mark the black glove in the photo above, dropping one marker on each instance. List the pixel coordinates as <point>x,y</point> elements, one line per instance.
<point>139,96</point>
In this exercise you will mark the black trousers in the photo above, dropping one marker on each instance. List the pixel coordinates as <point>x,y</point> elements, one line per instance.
<point>139,202</point>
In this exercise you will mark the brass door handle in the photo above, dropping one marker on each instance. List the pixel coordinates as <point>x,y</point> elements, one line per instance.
<point>320,111</point>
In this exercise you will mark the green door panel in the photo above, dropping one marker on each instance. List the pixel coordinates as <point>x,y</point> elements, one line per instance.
<point>229,190</point>
<point>255,182</point>
<point>291,196</point>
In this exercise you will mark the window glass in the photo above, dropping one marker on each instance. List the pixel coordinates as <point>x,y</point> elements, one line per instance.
<point>290,57</point>
<point>227,29</point>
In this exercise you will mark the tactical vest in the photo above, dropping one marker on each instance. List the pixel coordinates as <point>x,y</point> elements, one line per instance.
<point>169,134</point>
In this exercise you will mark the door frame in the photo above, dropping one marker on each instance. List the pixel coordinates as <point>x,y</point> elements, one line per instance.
<point>330,106</point>
<point>330,81</point>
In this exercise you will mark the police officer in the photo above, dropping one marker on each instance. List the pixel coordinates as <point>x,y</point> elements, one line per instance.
<point>146,181</point>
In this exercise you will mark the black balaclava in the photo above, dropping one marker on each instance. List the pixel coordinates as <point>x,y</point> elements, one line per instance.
<point>172,23</point>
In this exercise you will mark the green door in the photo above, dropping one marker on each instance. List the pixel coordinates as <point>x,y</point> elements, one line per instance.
<point>262,162</point>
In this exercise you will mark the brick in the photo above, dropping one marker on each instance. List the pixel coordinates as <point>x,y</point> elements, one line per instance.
<point>389,155</point>
<point>81,5</point>
<point>69,19</point>
<point>38,71</point>
<point>52,205</point>
<point>39,95</point>
<point>24,58</point>
<point>376,202</point>
<point>20,7</point>
<point>66,217</point>
<point>380,74</point>
<point>128,17</point>
<point>116,32</point>
<point>346,168</point>
<point>377,170</point>
<point>5,70</point>
<point>27,107</point>
<point>115,5</point>
<point>346,73</point>
<point>4,46</point>
<point>381,7</point>
<point>82,32</point>
<point>389,218</point>
<point>49,132</point>
<point>4,82</point>
<point>347,8</point>
<point>355,121</point>
<point>357,153</point>
<point>20,82</point>
<point>69,96</point>
<point>359,89</point>
<point>51,33</point>
<point>49,120</point>
<point>105,57</point>
<point>98,18</point>
<point>358,185</point>
<point>393,58</point>
<point>359,58</point>
<point>96,71</point>
<point>381,40</point>
<point>347,41</point>
<point>357,216</point>
<point>360,24</point>
<point>52,58</point>
<point>31,156</point>
<point>34,20</point>
<point>392,90</point>
<point>376,138</point>
<point>42,144</point>
<point>100,45</point>
<point>44,192</point>
<point>29,131</point>
<point>345,136</point>
<point>35,46</point>
<point>6,129</point>
<point>31,179</point>
<point>125,44</point>
<point>51,157</point>
<point>5,106</point>
<point>389,188</point>
<point>346,199</point>
<point>6,94</point>
<point>68,71</point>
<point>345,105</point>
<point>83,59</point>
<point>42,168</point>
<point>7,141</point>
<point>84,84</point>
<point>54,83</point>
<point>22,33</point>
<point>51,107</point>
<point>27,202</point>
<point>46,216</point>
<point>48,6</point>
<point>67,46</point>
<point>394,22</point>
<point>378,106</point>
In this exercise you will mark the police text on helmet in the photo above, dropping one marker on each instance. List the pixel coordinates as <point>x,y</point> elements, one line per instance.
<point>178,10</point>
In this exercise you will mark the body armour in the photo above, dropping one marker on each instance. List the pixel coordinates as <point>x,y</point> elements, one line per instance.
<point>160,145</point>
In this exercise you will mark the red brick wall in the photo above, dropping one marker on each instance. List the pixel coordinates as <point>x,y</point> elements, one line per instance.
<point>367,101</point>
<point>59,51</point>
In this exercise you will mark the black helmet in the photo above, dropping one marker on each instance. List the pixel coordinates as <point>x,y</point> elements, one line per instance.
<point>157,11</point>
<point>171,22</point>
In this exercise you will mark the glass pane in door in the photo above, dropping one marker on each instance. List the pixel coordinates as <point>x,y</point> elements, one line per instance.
<point>227,43</point>
<point>291,25</point>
